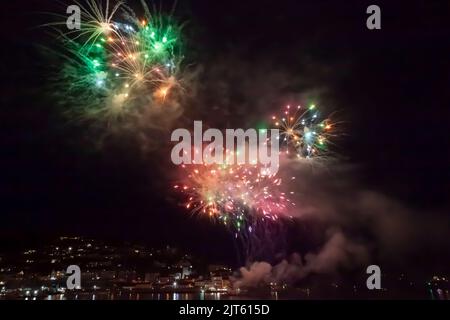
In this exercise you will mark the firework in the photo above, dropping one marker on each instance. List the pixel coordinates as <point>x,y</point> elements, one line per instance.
<point>303,132</point>
<point>235,195</point>
<point>116,68</point>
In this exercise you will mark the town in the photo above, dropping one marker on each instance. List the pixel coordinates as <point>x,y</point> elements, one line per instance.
<point>108,272</point>
<point>128,271</point>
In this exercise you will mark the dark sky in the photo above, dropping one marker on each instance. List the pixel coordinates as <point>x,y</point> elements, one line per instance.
<point>391,87</point>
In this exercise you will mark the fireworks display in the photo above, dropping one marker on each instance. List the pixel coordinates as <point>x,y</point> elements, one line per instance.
<point>120,67</point>
<point>237,195</point>
<point>255,149</point>
<point>115,68</point>
<point>230,192</point>
<point>303,132</point>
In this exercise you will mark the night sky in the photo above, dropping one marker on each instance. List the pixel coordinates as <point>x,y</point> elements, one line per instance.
<point>390,87</point>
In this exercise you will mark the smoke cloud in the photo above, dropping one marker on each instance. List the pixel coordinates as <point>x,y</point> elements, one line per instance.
<point>362,227</point>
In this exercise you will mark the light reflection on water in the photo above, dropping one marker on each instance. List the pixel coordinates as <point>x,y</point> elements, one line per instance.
<point>139,296</point>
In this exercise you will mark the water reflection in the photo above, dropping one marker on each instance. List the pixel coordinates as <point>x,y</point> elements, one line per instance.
<point>138,296</point>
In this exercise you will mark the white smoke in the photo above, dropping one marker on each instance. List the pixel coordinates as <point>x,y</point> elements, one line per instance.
<point>337,252</point>
<point>385,229</point>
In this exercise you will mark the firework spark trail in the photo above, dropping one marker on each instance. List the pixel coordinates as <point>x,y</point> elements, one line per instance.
<point>249,204</point>
<point>235,195</point>
<point>304,132</point>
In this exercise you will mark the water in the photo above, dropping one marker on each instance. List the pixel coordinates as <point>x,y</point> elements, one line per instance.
<point>141,296</point>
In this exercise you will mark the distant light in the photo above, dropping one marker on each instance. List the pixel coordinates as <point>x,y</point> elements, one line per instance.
<point>308,135</point>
